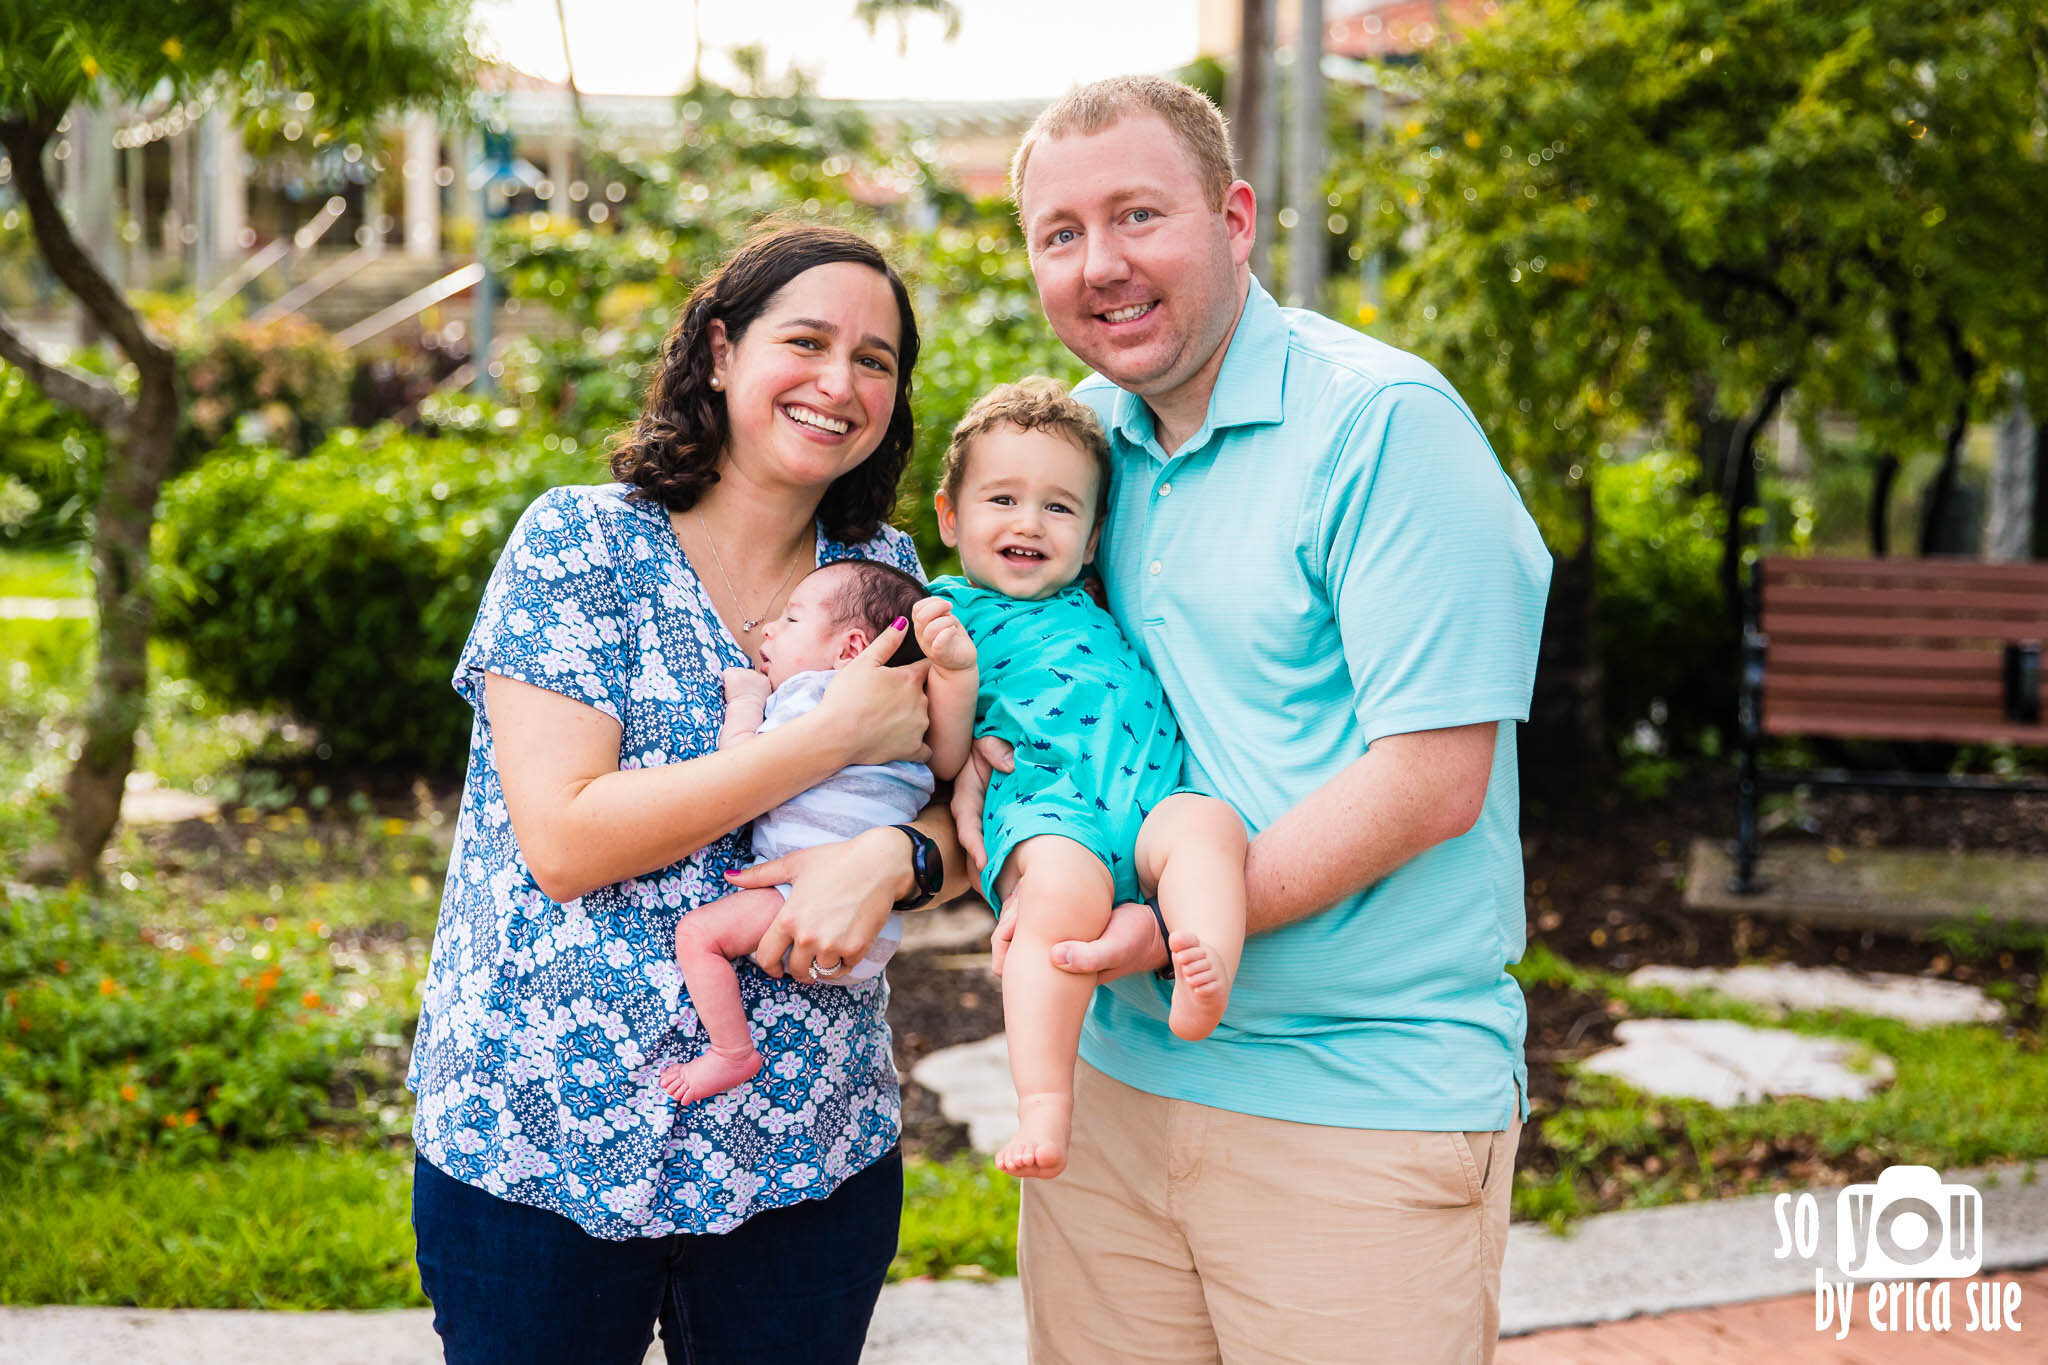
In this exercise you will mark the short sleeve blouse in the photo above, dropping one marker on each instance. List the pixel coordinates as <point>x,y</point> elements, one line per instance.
<point>544,1025</point>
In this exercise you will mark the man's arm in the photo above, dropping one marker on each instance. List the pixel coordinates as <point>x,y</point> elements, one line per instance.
<point>1408,794</point>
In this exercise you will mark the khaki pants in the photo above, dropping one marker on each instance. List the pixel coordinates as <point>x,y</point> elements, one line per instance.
<point>1181,1233</point>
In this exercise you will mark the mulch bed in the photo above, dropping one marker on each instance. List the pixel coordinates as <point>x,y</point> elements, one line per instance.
<point>1605,891</point>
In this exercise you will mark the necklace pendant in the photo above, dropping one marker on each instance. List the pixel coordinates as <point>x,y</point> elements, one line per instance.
<point>747,627</point>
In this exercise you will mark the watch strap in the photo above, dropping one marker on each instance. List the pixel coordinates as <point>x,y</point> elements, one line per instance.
<point>927,869</point>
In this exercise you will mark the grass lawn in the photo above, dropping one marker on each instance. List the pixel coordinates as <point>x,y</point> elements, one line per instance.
<point>45,573</point>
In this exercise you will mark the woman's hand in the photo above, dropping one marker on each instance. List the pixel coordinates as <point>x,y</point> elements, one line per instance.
<point>876,714</point>
<point>840,896</point>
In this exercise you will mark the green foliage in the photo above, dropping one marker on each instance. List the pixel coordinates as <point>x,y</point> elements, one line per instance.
<point>342,586</point>
<point>962,1213</point>
<point>282,383</point>
<point>276,1228</point>
<point>352,57</point>
<point>119,1041</point>
<point>1632,209</point>
<point>1666,638</point>
<point>52,457</point>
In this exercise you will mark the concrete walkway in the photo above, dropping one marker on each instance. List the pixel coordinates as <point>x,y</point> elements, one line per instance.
<point>1615,1266</point>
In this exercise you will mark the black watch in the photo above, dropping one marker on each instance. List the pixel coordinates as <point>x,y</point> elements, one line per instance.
<point>927,868</point>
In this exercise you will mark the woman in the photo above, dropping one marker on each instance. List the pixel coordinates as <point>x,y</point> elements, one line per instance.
<point>562,1202</point>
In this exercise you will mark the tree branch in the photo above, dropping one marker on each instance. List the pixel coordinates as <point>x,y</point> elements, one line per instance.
<point>84,393</point>
<point>67,258</point>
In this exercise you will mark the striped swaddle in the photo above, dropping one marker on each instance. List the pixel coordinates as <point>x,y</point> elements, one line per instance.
<point>851,801</point>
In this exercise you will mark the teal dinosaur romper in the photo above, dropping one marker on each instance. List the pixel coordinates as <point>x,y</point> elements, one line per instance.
<point>1096,745</point>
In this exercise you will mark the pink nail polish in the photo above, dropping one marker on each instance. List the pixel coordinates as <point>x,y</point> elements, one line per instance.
<point>899,623</point>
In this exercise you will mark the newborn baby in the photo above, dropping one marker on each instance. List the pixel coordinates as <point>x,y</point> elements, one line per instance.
<point>834,614</point>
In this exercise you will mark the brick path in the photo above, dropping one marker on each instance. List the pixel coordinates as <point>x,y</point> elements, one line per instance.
<point>1781,1332</point>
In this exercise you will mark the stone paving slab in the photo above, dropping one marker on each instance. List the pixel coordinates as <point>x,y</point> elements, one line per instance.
<point>1891,889</point>
<point>1918,1000</point>
<point>1727,1063</point>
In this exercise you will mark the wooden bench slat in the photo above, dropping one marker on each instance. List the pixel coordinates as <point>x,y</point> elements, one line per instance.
<point>1789,626</point>
<point>1986,690</point>
<point>1872,601</point>
<point>1882,659</point>
<point>2017,577</point>
<point>1842,721</point>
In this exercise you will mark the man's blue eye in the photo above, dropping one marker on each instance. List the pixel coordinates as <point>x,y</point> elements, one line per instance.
<point>1061,237</point>
<point>1140,215</point>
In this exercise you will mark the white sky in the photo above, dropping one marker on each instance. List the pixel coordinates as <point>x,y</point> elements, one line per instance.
<point>1006,48</point>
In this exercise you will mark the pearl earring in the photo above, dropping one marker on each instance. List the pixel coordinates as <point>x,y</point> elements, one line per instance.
<point>716,382</point>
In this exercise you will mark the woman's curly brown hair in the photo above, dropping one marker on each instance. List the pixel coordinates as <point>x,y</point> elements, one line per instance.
<point>671,454</point>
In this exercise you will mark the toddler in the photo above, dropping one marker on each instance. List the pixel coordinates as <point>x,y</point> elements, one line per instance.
<point>1094,814</point>
<point>832,615</point>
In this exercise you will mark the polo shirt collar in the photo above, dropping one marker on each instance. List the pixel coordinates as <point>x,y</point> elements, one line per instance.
<point>1248,385</point>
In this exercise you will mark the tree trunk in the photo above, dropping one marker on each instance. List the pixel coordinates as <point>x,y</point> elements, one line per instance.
<point>138,462</point>
<point>2015,486</point>
<point>1566,738</point>
<point>1881,482</point>
<point>1937,536</point>
<point>1739,488</point>
<point>139,452</point>
<point>1715,430</point>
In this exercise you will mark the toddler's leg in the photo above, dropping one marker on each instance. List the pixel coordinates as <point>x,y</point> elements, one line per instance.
<point>1061,891</point>
<point>707,940</point>
<point>1192,849</point>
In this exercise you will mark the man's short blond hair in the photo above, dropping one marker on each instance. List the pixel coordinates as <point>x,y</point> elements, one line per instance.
<point>1033,404</point>
<point>1196,124</point>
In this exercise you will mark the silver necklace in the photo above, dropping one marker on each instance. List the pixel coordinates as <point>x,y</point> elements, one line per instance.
<point>746,625</point>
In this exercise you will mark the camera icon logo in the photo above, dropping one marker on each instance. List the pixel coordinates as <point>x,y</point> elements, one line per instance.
<point>1909,1226</point>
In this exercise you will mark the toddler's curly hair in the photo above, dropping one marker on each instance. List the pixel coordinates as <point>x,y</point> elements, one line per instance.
<point>1033,404</point>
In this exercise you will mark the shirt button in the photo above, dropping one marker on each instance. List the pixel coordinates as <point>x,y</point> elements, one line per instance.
<point>1155,566</point>
<point>1165,489</point>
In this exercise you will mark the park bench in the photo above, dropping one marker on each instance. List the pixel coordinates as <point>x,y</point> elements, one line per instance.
<point>1905,650</point>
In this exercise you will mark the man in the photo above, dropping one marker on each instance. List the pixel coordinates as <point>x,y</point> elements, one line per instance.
<point>1312,544</point>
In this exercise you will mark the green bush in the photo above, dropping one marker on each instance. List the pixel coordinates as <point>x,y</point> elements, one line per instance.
<point>50,462</point>
<point>1666,638</point>
<point>343,585</point>
<point>281,383</point>
<point>117,1041</point>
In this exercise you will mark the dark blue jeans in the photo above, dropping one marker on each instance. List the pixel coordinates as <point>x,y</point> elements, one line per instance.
<point>511,1283</point>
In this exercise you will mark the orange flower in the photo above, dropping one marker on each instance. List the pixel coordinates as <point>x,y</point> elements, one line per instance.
<point>191,1118</point>
<point>130,1093</point>
<point>268,981</point>
<point>63,966</point>
<point>311,1000</point>
<point>107,986</point>
<point>170,1120</point>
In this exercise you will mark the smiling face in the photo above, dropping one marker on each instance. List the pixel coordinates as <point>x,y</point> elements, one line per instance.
<point>811,384</point>
<point>1140,272</point>
<point>1024,518</point>
<point>811,633</point>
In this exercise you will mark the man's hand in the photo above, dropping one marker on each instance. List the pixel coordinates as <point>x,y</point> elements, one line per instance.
<point>970,790</point>
<point>1130,944</point>
<point>940,635</point>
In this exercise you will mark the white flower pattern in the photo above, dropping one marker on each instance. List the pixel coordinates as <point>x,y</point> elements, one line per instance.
<point>544,1025</point>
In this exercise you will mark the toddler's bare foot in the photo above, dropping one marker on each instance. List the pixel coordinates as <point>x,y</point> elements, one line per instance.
<point>714,1073</point>
<point>1201,987</point>
<point>1044,1123</point>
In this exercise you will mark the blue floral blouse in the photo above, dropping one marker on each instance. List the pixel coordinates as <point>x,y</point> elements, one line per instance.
<point>545,1024</point>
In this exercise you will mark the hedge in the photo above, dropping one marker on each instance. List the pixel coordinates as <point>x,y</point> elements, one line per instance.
<point>342,586</point>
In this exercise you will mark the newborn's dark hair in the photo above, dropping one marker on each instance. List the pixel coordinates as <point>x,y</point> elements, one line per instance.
<point>873,596</point>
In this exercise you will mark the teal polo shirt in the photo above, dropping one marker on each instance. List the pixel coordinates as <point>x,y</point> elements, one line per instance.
<point>1334,557</point>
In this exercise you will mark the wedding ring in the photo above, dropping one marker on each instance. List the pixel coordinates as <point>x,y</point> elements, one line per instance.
<point>822,973</point>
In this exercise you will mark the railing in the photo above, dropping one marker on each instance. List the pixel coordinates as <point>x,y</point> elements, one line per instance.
<point>253,268</point>
<point>412,305</point>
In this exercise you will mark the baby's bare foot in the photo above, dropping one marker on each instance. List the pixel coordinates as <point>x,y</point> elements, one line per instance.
<point>714,1073</point>
<point>1044,1124</point>
<point>1201,986</point>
